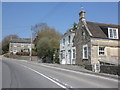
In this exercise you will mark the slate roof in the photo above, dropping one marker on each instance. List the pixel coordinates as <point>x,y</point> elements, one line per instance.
<point>100,30</point>
<point>20,40</point>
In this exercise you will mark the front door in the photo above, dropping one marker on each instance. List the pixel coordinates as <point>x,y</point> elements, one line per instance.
<point>69,57</point>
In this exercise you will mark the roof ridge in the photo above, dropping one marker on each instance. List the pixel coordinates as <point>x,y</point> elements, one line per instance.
<point>102,23</point>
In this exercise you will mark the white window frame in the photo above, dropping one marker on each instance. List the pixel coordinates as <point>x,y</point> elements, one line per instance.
<point>83,51</point>
<point>22,44</point>
<point>29,45</point>
<point>63,41</point>
<point>101,51</point>
<point>113,37</point>
<point>15,44</point>
<point>74,54</point>
<point>69,39</point>
<point>14,51</point>
<point>63,54</point>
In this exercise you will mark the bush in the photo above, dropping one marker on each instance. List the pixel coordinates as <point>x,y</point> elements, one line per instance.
<point>34,53</point>
<point>26,53</point>
<point>7,55</point>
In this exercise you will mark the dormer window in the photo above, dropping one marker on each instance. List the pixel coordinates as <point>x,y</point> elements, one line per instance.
<point>113,33</point>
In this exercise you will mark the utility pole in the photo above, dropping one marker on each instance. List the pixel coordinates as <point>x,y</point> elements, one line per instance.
<point>31,47</point>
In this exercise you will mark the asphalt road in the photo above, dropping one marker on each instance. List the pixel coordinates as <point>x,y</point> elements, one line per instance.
<point>23,74</point>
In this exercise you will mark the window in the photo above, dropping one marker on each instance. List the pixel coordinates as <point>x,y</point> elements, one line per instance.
<point>11,50</point>
<point>113,33</point>
<point>62,54</point>
<point>69,39</point>
<point>83,34</point>
<point>29,45</point>
<point>63,41</point>
<point>85,52</point>
<point>69,54</point>
<point>74,53</point>
<point>14,51</point>
<point>22,44</point>
<point>101,51</point>
<point>15,44</point>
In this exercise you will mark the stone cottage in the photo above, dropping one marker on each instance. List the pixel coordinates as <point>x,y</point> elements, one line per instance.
<point>67,51</point>
<point>20,45</point>
<point>96,43</point>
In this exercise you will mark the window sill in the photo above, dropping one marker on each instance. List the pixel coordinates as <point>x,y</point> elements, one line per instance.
<point>102,55</point>
<point>85,58</point>
<point>112,38</point>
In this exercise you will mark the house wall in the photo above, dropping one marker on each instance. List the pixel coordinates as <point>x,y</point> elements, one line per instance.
<point>19,47</point>
<point>65,48</point>
<point>82,38</point>
<point>112,50</point>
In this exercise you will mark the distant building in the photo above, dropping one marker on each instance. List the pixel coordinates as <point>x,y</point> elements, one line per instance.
<point>67,51</point>
<point>96,43</point>
<point>20,45</point>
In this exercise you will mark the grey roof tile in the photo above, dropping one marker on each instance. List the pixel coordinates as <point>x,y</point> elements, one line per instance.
<point>100,30</point>
<point>20,40</point>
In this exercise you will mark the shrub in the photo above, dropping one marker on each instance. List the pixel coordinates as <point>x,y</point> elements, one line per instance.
<point>7,55</point>
<point>26,53</point>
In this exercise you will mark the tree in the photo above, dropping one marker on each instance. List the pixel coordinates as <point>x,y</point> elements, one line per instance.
<point>74,27</point>
<point>1,48</point>
<point>5,43</point>
<point>47,42</point>
<point>44,49</point>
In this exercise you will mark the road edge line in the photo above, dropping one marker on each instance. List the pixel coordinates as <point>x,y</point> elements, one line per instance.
<point>45,77</point>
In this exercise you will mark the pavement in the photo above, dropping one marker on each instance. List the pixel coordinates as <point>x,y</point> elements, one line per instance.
<point>28,74</point>
<point>81,69</point>
<point>78,68</point>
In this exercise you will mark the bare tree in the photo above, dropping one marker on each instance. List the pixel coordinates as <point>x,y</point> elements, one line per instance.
<point>5,43</point>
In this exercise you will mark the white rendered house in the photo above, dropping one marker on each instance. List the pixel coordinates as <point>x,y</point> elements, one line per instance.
<point>67,51</point>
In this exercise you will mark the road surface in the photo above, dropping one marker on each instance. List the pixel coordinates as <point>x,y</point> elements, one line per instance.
<point>23,74</point>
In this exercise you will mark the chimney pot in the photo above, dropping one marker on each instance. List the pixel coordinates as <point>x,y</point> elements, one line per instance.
<point>82,15</point>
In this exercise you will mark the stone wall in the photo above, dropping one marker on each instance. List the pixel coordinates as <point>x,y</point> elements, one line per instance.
<point>112,50</point>
<point>82,38</point>
<point>108,69</point>
<point>34,58</point>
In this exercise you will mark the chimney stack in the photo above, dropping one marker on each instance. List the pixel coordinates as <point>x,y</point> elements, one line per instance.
<point>82,15</point>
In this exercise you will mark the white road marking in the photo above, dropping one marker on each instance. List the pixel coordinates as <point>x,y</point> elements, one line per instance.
<point>102,77</point>
<point>23,60</point>
<point>81,73</point>
<point>45,77</point>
